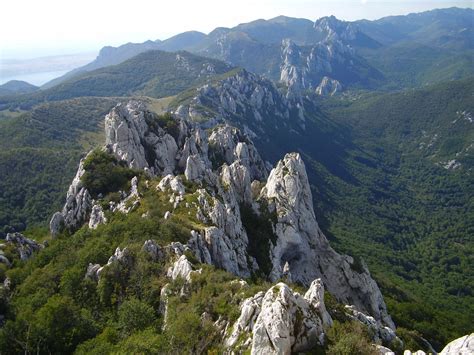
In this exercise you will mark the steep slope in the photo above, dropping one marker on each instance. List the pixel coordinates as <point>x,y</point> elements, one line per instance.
<point>39,150</point>
<point>411,191</point>
<point>181,223</point>
<point>134,135</point>
<point>365,54</point>
<point>373,162</point>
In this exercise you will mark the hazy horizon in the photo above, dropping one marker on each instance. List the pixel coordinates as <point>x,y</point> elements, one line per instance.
<point>67,30</point>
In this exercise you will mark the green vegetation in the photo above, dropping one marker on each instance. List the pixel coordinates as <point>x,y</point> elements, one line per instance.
<point>389,200</point>
<point>154,73</point>
<point>260,234</point>
<point>39,153</point>
<point>105,174</point>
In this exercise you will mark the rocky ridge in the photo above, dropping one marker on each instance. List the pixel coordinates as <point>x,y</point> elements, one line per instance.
<point>231,172</point>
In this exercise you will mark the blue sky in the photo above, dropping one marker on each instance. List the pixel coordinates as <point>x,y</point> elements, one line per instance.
<point>30,28</point>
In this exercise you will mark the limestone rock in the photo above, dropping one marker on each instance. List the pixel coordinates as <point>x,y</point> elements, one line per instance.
<point>228,145</point>
<point>380,332</point>
<point>56,225</point>
<point>328,87</point>
<point>25,247</point>
<point>132,200</point>
<point>131,138</point>
<point>382,350</point>
<point>279,321</point>
<point>195,168</point>
<point>249,311</point>
<point>460,346</point>
<point>153,249</point>
<point>315,297</point>
<point>97,217</point>
<point>93,271</point>
<point>78,202</point>
<point>173,183</point>
<point>181,268</point>
<point>301,243</point>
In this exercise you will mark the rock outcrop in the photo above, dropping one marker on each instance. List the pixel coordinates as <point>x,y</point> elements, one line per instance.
<point>328,87</point>
<point>22,246</point>
<point>97,217</point>
<point>281,321</point>
<point>301,243</point>
<point>77,208</point>
<point>460,346</point>
<point>230,174</point>
<point>302,71</point>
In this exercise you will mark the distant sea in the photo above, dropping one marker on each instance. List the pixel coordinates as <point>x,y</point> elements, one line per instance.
<point>37,79</point>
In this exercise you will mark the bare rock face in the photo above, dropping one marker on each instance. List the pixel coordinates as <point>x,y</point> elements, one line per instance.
<point>460,346</point>
<point>172,183</point>
<point>130,137</point>
<point>225,243</point>
<point>181,268</point>
<point>125,127</point>
<point>379,332</point>
<point>328,87</point>
<point>302,71</point>
<point>25,247</point>
<point>280,321</point>
<point>77,208</point>
<point>228,145</point>
<point>97,217</point>
<point>301,243</point>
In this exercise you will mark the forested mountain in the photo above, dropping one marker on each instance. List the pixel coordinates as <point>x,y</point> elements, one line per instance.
<point>390,53</point>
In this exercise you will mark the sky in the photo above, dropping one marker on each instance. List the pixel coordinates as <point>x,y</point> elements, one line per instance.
<point>34,28</point>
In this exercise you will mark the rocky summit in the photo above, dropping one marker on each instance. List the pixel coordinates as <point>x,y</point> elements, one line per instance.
<point>232,181</point>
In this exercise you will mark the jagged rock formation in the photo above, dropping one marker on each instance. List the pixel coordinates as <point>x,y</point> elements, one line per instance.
<point>227,166</point>
<point>243,97</point>
<point>379,332</point>
<point>300,70</point>
<point>301,243</point>
<point>328,87</point>
<point>22,246</point>
<point>97,217</point>
<point>460,346</point>
<point>281,321</point>
<point>77,208</point>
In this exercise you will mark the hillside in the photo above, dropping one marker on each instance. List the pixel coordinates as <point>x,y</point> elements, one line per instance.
<point>382,163</point>
<point>407,207</point>
<point>16,87</point>
<point>391,53</point>
<point>171,235</point>
<point>153,73</point>
<point>39,150</point>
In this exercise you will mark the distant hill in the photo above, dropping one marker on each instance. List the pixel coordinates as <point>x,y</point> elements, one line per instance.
<point>17,87</point>
<point>153,73</point>
<point>391,53</point>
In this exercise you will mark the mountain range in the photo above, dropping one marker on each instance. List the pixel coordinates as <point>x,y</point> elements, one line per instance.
<point>254,147</point>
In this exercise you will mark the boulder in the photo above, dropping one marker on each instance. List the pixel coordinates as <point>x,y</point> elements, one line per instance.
<point>97,217</point>
<point>460,346</point>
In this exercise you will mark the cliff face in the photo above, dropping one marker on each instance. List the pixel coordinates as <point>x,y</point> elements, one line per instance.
<point>231,175</point>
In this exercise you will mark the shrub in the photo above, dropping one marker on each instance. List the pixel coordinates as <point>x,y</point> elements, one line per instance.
<point>105,174</point>
<point>135,315</point>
